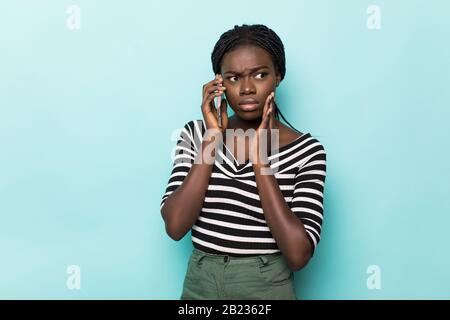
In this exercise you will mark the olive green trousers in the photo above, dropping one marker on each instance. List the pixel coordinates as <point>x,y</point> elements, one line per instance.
<point>215,277</point>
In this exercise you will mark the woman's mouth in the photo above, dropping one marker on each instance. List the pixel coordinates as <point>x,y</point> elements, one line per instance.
<point>248,104</point>
<point>248,107</point>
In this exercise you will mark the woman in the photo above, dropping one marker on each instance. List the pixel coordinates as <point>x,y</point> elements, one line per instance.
<point>251,229</point>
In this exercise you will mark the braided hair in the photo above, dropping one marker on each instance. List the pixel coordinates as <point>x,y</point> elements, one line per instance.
<point>258,35</point>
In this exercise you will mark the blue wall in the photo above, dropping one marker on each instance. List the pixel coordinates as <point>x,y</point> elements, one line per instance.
<point>89,117</point>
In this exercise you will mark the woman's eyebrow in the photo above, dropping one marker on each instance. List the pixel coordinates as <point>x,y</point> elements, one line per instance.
<point>251,69</point>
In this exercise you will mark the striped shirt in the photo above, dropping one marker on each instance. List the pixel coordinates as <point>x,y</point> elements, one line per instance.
<point>231,220</point>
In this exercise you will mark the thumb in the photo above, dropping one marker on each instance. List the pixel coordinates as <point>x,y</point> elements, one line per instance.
<point>223,107</point>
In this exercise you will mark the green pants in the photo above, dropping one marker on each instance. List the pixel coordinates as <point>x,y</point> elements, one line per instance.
<point>211,276</point>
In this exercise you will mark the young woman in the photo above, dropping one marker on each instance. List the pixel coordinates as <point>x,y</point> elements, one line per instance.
<point>250,229</point>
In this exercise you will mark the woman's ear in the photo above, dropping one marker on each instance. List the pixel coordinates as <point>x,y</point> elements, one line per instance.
<point>278,80</point>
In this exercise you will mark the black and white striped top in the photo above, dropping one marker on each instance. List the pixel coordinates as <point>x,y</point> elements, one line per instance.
<point>231,220</point>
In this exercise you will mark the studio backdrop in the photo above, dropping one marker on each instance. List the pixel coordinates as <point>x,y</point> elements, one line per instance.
<point>93,95</point>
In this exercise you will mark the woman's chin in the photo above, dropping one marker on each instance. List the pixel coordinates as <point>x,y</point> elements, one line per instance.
<point>249,115</point>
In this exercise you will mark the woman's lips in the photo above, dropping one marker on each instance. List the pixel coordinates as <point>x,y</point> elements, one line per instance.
<point>249,107</point>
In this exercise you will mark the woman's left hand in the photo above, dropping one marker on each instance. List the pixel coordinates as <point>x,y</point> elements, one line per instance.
<point>263,134</point>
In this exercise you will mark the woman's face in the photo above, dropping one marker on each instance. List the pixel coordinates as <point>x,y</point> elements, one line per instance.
<point>248,73</point>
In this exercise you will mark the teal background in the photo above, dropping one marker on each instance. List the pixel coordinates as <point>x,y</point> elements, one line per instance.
<point>89,117</point>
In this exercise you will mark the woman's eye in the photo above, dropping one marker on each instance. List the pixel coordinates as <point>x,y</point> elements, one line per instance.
<point>262,73</point>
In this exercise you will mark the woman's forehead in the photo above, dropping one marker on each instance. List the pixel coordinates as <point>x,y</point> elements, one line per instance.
<point>245,58</point>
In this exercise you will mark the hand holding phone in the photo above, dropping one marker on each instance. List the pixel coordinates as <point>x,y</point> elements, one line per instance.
<point>211,90</point>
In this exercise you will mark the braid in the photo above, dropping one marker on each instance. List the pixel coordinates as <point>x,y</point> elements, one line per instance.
<point>258,35</point>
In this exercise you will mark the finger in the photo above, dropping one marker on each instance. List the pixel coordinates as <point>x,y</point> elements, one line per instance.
<point>216,92</point>
<point>219,79</point>
<point>215,88</point>
<point>269,111</point>
<point>268,122</point>
<point>223,108</point>
<point>265,120</point>
<point>266,105</point>
<point>266,109</point>
<point>212,84</point>
<point>216,84</point>
<point>210,99</point>
<point>269,136</point>
<point>272,115</point>
<point>212,81</point>
<point>223,112</point>
<point>269,103</point>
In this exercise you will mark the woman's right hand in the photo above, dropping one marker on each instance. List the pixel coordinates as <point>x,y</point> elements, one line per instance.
<point>211,90</point>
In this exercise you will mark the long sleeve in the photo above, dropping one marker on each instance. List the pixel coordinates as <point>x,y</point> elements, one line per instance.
<point>185,154</point>
<point>307,202</point>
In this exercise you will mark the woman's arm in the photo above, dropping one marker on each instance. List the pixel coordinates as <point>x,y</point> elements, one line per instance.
<point>182,208</point>
<point>297,228</point>
<point>287,230</point>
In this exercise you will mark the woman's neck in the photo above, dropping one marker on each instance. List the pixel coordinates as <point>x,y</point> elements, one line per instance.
<point>235,122</point>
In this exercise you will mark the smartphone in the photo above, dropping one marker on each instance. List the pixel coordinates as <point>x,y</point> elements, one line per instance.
<point>219,115</point>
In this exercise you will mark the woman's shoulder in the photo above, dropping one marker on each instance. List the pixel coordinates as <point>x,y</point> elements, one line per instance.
<point>195,124</point>
<point>193,131</point>
<point>293,135</point>
<point>312,148</point>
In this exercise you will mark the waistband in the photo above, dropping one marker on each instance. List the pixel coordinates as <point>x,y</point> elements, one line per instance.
<point>224,258</point>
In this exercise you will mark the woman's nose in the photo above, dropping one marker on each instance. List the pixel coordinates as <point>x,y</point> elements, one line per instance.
<point>247,87</point>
